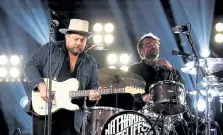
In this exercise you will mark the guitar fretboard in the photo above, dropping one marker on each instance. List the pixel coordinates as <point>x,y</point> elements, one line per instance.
<point>83,93</point>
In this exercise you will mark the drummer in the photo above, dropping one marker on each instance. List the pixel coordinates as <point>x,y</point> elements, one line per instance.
<point>150,68</point>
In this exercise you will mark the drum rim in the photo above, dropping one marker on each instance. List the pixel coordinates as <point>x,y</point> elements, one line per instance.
<point>125,112</point>
<point>165,81</point>
<point>104,108</point>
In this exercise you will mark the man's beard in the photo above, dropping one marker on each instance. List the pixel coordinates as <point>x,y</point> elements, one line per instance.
<point>75,51</point>
<point>152,55</point>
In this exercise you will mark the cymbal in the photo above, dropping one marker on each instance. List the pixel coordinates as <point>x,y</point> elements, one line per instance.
<point>209,65</point>
<point>115,77</point>
<point>213,92</point>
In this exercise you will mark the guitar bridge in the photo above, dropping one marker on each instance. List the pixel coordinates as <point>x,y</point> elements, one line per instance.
<point>54,102</point>
<point>53,98</point>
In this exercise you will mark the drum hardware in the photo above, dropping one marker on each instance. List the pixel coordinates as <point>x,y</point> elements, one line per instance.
<point>164,123</point>
<point>128,122</point>
<point>184,123</point>
<point>168,92</point>
<point>168,125</point>
<point>97,117</point>
<point>165,93</point>
<point>208,94</point>
<point>164,126</point>
<point>207,66</point>
<point>163,132</point>
<point>214,126</point>
<point>86,112</point>
<point>213,87</point>
<point>93,132</point>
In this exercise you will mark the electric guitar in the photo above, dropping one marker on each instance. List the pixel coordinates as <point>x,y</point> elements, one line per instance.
<point>63,92</point>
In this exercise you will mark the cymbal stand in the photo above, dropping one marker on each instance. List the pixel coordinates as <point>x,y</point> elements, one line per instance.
<point>199,69</point>
<point>208,114</point>
<point>115,81</point>
<point>85,117</point>
<point>208,111</point>
<point>210,80</point>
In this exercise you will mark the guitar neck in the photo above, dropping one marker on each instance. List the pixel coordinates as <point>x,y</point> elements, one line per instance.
<point>84,93</point>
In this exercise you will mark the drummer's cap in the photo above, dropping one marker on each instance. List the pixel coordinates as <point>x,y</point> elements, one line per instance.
<point>148,35</point>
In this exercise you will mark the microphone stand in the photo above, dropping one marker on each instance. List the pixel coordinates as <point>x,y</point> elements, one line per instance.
<point>198,69</point>
<point>17,130</point>
<point>85,130</point>
<point>49,120</point>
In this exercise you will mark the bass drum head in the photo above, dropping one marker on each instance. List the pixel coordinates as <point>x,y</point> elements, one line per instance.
<point>128,123</point>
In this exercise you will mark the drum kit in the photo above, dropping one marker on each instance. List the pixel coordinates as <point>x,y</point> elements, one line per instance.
<point>162,114</point>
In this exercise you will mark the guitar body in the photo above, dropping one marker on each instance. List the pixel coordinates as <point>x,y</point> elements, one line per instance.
<point>60,97</point>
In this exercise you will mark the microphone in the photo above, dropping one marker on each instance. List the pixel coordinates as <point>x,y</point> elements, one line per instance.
<point>174,52</point>
<point>54,23</point>
<point>180,29</point>
<point>97,47</point>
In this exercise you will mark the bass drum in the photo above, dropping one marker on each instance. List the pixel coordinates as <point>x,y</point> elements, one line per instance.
<point>96,118</point>
<point>129,123</point>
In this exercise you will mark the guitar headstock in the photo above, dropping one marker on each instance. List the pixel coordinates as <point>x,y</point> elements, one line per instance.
<point>134,90</point>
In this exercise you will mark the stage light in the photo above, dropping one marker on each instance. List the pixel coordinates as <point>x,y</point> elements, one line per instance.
<point>219,38</point>
<point>3,60</point>
<point>109,28</point>
<point>97,27</point>
<point>205,53</point>
<point>124,58</point>
<point>112,67</point>
<point>200,104</point>
<point>15,60</point>
<point>14,72</point>
<point>108,39</point>
<point>204,84</point>
<point>219,27</point>
<point>124,68</point>
<point>3,72</point>
<point>98,39</point>
<point>112,58</point>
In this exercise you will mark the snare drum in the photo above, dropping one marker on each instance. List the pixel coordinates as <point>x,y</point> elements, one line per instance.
<point>128,123</point>
<point>168,97</point>
<point>97,116</point>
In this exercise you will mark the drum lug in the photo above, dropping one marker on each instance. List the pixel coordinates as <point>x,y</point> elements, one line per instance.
<point>179,90</point>
<point>87,111</point>
<point>93,132</point>
<point>100,112</point>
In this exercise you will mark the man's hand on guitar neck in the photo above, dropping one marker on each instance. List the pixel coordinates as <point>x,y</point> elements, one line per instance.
<point>147,98</point>
<point>94,95</point>
<point>43,91</point>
